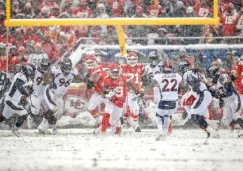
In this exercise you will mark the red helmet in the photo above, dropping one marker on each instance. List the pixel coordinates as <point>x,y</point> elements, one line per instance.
<point>114,71</point>
<point>132,59</point>
<point>167,66</point>
<point>90,61</point>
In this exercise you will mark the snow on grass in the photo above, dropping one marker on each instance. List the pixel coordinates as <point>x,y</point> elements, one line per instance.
<point>79,149</point>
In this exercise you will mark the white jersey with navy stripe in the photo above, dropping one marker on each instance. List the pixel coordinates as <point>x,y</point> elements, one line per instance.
<point>61,81</point>
<point>168,84</point>
<point>38,85</point>
<point>14,93</point>
<point>151,71</point>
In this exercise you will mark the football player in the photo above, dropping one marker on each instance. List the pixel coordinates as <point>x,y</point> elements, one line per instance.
<point>168,83</point>
<point>15,113</point>
<point>63,76</point>
<point>202,98</point>
<point>95,75</point>
<point>133,71</point>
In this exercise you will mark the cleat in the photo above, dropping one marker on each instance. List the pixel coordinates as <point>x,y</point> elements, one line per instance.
<point>118,131</point>
<point>138,129</point>
<point>212,132</point>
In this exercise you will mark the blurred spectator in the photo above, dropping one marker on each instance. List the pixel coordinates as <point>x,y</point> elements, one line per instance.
<point>230,61</point>
<point>28,10</point>
<point>191,31</point>
<point>111,38</point>
<point>101,11</point>
<point>154,10</point>
<point>2,5</point>
<point>162,36</point>
<point>202,8</point>
<point>3,58</point>
<point>55,11</point>
<point>82,11</point>
<point>36,57</point>
<point>50,48</point>
<point>239,25</point>
<point>139,13</point>
<point>29,38</point>
<point>152,35</point>
<point>176,8</point>
<point>67,4</point>
<point>115,8</point>
<point>22,56</point>
<point>229,21</point>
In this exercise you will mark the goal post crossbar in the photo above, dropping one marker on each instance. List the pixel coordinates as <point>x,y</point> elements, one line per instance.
<point>118,22</point>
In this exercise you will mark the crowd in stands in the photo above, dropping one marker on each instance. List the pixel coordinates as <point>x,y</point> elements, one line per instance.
<point>55,41</point>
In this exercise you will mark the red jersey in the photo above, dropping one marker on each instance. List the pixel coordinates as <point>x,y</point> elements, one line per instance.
<point>99,83</point>
<point>229,22</point>
<point>116,7</point>
<point>239,80</point>
<point>82,13</point>
<point>134,74</point>
<point>154,11</point>
<point>120,85</point>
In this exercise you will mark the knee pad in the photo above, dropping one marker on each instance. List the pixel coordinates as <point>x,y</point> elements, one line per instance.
<point>199,120</point>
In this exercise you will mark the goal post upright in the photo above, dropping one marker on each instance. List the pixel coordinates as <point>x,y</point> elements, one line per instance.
<point>118,22</point>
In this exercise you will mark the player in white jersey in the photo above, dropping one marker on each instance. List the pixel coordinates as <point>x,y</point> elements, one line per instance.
<point>13,112</point>
<point>154,67</point>
<point>199,109</point>
<point>224,89</point>
<point>42,78</point>
<point>36,57</point>
<point>63,76</point>
<point>168,84</point>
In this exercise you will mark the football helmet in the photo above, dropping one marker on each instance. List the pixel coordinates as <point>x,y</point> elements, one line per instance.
<point>184,66</point>
<point>153,58</point>
<point>167,66</point>
<point>66,66</point>
<point>29,71</point>
<point>90,61</point>
<point>45,65</point>
<point>132,59</point>
<point>114,71</point>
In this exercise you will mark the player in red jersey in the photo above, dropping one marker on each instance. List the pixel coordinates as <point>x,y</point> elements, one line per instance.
<point>95,75</point>
<point>237,72</point>
<point>133,71</point>
<point>114,90</point>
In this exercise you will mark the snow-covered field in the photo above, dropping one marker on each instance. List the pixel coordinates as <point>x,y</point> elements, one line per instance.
<point>79,149</point>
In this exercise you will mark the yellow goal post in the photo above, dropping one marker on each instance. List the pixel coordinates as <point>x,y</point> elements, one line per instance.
<point>118,22</point>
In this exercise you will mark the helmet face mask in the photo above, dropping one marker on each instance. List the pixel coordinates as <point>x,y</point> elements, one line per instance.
<point>66,66</point>
<point>183,67</point>
<point>115,74</point>
<point>114,71</point>
<point>29,71</point>
<point>90,64</point>
<point>45,65</point>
